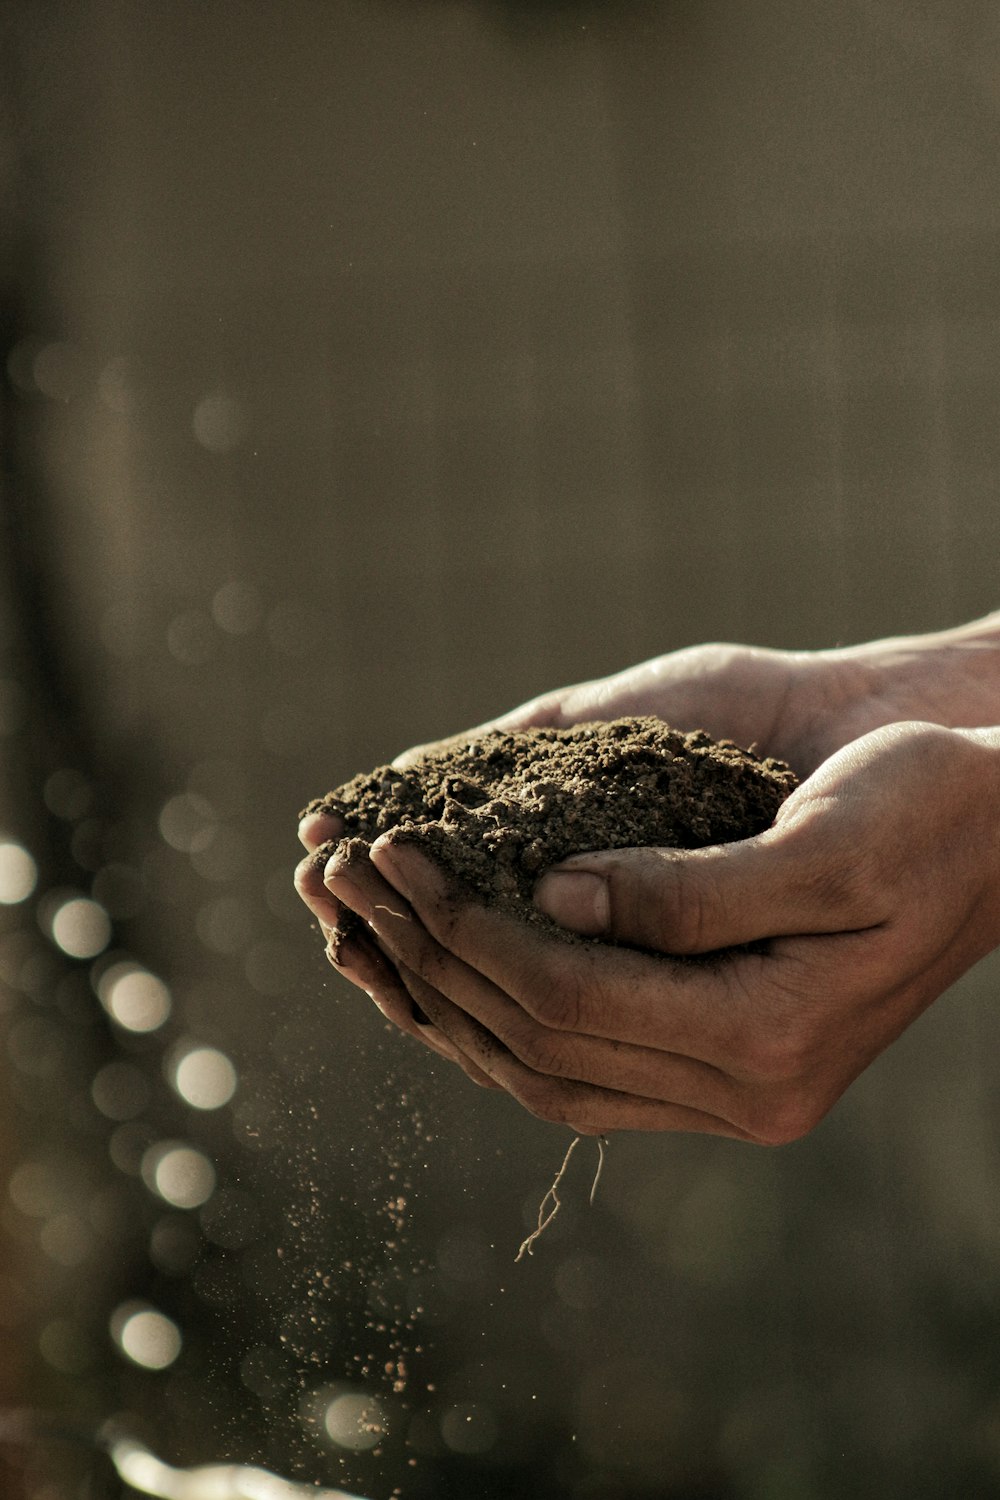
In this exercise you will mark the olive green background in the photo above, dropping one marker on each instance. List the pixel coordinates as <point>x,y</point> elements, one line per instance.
<point>488,347</point>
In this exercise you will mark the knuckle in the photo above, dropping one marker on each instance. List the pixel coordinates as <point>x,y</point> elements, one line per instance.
<point>555,998</point>
<point>539,1050</point>
<point>544,1099</point>
<point>846,877</point>
<point>776,1056</point>
<point>787,1117</point>
<point>689,919</point>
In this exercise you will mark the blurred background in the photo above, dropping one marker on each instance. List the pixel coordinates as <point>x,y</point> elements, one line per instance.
<point>369,366</point>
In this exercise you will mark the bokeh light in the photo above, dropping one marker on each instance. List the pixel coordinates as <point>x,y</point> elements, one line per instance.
<point>188,822</point>
<point>181,1175</point>
<point>355,1421</point>
<point>219,422</point>
<point>134,997</point>
<point>81,927</point>
<point>224,925</point>
<point>205,1078</point>
<point>66,1239</point>
<point>236,607</point>
<point>191,638</point>
<point>120,1090</point>
<point>116,386</point>
<point>18,873</point>
<point>146,1336</point>
<point>68,794</point>
<point>57,371</point>
<point>36,1188</point>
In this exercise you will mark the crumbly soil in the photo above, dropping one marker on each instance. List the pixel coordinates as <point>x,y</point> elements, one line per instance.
<point>495,811</point>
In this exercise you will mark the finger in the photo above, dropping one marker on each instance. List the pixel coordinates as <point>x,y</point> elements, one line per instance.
<point>353,873</point>
<point>351,859</point>
<point>702,1010</point>
<point>587,1109</point>
<point>356,956</point>
<point>442,1043</point>
<point>619,1066</point>
<point>364,891</point>
<point>358,959</point>
<point>780,883</point>
<point>309,884</point>
<point>320,828</point>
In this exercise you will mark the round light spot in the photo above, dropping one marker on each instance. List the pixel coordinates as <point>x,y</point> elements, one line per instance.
<point>175,1243</point>
<point>81,928</point>
<point>147,1338</point>
<point>181,1175</point>
<point>18,874</point>
<point>68,794</point>
<point>191,638</point>
<point>128,1146</point>
<point>120,1090</point>
<point>58,372</point>
<point>224,924</point>
<point>133,997</point>
<point>205,1078</point>
<point>66,1239</point>
<point>116,386</point>
<point>355,1422</point>
<point>236,607</point>
<point>219,423</point>
<point>20,361</point>
<point>188,822</point>
<point>36,1188</point>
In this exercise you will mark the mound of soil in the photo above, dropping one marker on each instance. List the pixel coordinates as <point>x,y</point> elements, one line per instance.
<point>498,809</point>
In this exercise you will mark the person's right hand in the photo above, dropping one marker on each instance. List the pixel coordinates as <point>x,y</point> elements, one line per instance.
<point>876,887</point>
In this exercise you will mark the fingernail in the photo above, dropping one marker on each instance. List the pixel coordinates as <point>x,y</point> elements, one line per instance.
<point>382,856</point>
<point>576,900</point>
<point>346,891</point>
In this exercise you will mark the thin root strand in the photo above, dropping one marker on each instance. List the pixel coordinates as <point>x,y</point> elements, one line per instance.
<point>545,1213</point>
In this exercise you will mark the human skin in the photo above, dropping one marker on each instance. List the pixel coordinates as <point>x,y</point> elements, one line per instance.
<point>877,886</point>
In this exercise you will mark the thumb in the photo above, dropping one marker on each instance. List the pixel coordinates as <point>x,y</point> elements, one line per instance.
<point>685,901</point>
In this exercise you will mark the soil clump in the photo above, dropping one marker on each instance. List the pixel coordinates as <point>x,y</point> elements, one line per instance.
<point>496,810</point>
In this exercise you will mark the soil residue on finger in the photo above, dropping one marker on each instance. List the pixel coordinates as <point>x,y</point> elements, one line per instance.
<point>496,810</point>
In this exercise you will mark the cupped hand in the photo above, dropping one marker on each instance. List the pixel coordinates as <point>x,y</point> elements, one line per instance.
<point>874,890</point>
<point>800,706</point>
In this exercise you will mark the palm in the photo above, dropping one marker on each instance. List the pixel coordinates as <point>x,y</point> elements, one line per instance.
<point>789,704</point>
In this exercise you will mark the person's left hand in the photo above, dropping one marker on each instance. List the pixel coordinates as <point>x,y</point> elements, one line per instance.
<point>876,887</point>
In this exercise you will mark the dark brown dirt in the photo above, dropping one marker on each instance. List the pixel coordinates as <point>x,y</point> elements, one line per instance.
<point>497,810</point>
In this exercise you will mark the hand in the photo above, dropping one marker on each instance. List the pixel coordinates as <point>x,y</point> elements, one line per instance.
<point>800,706</point>
<point>874,890</point>
<point>738,692</point>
